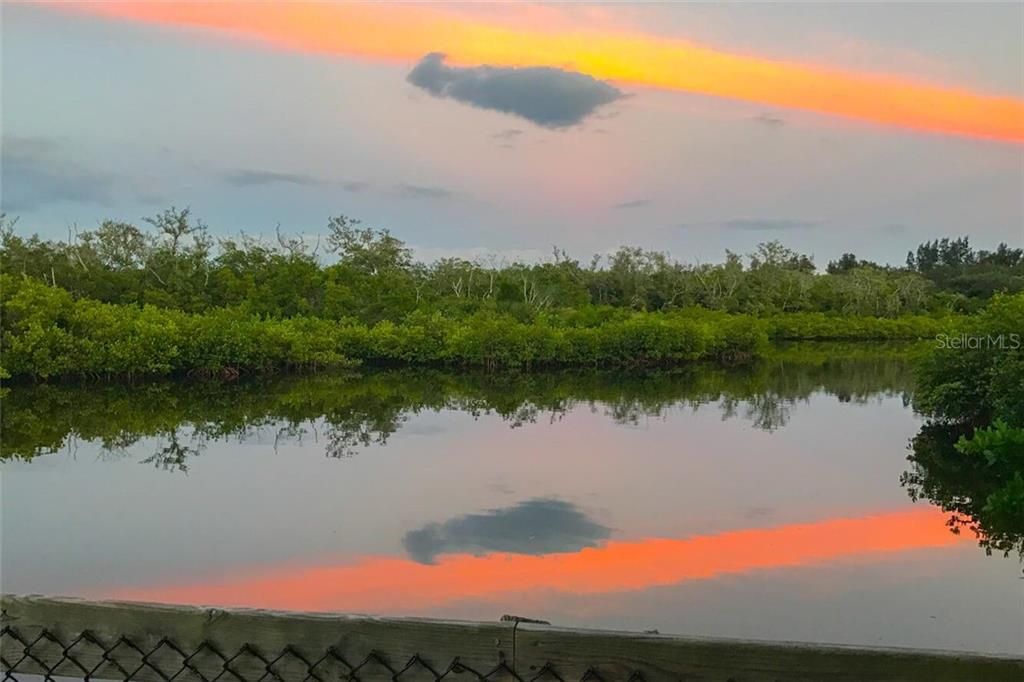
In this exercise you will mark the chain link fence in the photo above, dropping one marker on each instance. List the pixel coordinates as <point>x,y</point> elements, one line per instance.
<point>66,639</point>
<point>49,657</point>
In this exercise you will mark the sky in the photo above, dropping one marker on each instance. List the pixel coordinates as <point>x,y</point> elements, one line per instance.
<point>510,128</point>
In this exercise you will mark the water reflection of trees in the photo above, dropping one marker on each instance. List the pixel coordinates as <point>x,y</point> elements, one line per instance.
<point>963,486</point>
<point>347,413</point>
<point>173,454</point>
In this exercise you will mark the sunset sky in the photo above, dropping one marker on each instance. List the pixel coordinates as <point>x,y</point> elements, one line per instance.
<point>470,129</point>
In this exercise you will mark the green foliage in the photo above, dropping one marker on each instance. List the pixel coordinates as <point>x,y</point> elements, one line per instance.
<point>970,458</point>
<point>978,477</point>
<point>124,301</point>
<point>1001,448</point>
<point>954,266</point>
<point>976,373</point>
<point>48,333</point>
<point>175,263</point>
<point>364,249</point>
<point>822,327</point>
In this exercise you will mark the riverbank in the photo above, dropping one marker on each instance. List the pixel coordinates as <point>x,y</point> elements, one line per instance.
<point>49,334</point>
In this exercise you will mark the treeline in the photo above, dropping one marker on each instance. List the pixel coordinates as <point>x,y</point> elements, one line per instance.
<point>954,266</point>
<point>122,302</point>
<point>368,275</point>
<point>49,333</point>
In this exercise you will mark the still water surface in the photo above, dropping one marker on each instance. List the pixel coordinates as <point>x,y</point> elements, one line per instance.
<point>762,503</point>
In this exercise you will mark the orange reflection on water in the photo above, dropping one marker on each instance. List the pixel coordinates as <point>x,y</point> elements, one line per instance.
<point>388,584</point>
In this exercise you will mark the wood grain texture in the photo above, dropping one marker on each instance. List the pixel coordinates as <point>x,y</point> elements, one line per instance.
<point>616,655</point>
<point>480,646</point>
<point>390,643</point>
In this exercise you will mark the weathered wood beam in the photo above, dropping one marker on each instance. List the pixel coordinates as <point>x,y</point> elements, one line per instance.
<point>382,645</point>
<point>163,639</point>
<point>616,655</point>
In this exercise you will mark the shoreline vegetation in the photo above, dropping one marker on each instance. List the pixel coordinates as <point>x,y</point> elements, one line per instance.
<point>124,302</point>
<point>969,457</point>
<point>49,334</point>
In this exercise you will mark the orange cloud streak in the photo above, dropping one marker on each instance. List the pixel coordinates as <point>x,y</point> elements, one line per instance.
<point>408,32</point>
<point>392,584</point>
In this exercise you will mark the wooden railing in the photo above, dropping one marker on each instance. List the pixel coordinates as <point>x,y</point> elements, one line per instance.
<point>113,640</point>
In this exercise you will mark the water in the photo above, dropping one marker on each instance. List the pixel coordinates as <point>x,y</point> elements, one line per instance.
<point>760,503</point>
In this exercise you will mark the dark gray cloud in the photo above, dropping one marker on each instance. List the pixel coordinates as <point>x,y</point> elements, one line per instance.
<point>249,177</point>
<point>549,97</point>
<point>769,120</point>
<point>423,191</point>
<point>255,178</point>
<point>634,203</point>
<point>537,526</point>
<point>37,171</point>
